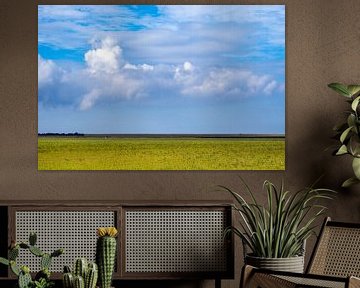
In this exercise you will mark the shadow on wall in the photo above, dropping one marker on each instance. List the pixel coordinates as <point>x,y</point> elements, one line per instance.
<point>333,169</point>
<point>312,159</point>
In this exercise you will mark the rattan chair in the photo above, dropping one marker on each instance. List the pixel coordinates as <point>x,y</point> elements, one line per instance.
<point>334,263</point>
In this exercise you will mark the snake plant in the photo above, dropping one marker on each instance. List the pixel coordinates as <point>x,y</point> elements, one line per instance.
<point>279,228</point>
<point>348,132</point>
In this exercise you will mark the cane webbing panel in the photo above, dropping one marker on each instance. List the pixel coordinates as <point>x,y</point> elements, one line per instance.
<point>260,280</point>
<point>338,252</point>
<point>313,282</point>
<point>75,231</point>
<point>175,241</point>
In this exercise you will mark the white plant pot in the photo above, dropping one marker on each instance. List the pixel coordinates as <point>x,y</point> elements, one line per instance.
<point>291,264</point>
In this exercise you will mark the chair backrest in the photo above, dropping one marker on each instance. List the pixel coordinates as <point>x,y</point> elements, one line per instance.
<point>337,251</point>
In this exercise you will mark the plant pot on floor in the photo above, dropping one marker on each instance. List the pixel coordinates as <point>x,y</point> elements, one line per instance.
<point>290,264</point>
<point>275,233</point>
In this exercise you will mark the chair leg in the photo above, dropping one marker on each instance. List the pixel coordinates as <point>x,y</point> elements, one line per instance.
<point>246,274</point>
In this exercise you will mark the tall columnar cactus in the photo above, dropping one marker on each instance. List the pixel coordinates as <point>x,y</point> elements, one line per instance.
<point>23,273</point>
<point>84,276</point>
<point>106,254</point>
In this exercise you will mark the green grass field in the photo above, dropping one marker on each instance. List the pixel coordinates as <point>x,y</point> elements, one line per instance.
<point>83,153</point>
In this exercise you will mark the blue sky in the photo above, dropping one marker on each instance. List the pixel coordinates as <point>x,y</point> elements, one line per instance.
<point>161,69</point>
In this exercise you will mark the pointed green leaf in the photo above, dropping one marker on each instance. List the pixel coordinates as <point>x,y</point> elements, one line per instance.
<point>355,129</point>
<point>355,103</point>
<point>349,182</point>
<point>4,261</point>
<point>14,268</point>
<point>353,89</point>
<point>354,144</point>
<point>342,150</point>
<point>356,167</point>
<point>345,134</point>
<point>350,148</point>
<point>340,88</point>
<point>351,120</point>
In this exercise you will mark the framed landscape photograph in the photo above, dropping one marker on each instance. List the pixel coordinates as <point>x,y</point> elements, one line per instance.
<point>161,87</point>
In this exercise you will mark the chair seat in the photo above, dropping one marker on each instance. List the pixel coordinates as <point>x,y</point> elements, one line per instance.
<point>263,278</point>
<point>335,262</point>
<point>314,282</point>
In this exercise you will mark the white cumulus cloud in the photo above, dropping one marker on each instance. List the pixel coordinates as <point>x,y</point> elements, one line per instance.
<point>89,99</point>
<point>107,77</point>
<point>269,88</point>
<point>111,78</point>
<point>188,66</point>
<point>105,57</point>
<point>144,67</point>
<point>185,73</point>
<point>48,72</point>
<point>222,82</point>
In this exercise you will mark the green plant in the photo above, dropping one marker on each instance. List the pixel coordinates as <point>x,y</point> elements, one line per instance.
<point>79,282</point>
<point>105,254</point>
<point>348,132</point>
<point>279,229</point>
<point>85,275</point>
<point>91,276</point>
<point>68,278</point>
<point>80,268</point>
<point>42,278</point>
<point>43,283</point>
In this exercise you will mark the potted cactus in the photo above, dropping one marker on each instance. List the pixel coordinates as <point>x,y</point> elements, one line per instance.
<point>42,278</point>
<point>85,275</point>
<point>106,254</point>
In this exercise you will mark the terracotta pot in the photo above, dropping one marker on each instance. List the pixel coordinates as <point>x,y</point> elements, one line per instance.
<point>291,264</point>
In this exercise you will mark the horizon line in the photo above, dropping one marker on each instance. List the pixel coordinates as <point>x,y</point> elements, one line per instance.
<point>168,134</point>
